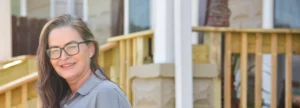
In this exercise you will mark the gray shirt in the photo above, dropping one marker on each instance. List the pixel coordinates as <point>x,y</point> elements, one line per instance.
<point>97,93</point>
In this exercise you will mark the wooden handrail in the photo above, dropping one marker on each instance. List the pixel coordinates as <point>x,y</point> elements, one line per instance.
<point>251,30</point>
<point>132,35</point>
<point>108,46</point>
<point>22,57</point>
<point>19,82</point>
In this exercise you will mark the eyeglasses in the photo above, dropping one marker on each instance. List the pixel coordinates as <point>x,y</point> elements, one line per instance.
<point>70,49</point>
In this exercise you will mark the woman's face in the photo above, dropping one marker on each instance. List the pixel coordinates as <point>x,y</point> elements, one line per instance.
<point>74,60</point>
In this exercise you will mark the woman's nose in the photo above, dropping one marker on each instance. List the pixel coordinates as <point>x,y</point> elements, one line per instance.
<point>64,55</point>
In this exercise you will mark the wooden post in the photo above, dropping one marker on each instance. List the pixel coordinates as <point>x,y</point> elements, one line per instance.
<point>227,90</point>
<point>274,70</point>
<point>288,70</point>
<point>258,71</point>
<point>244,79</point>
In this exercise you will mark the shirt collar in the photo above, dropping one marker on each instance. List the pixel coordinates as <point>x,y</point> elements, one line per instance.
<point>91,82</point>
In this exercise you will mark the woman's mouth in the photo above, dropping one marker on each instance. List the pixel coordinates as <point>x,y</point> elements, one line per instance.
<point>67,65</point>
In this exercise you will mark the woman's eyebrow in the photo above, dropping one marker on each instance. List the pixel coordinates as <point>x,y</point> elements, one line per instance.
<point>56,46</point>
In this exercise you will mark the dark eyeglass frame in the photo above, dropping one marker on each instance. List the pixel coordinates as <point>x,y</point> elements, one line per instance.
<point>63,48</point>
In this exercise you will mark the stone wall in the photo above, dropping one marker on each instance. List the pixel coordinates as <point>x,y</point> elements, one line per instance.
<point>38,8</point>
<point>154,86</point>
<point>99,14</point>
<point>245,13</point>
<point>99,19</point>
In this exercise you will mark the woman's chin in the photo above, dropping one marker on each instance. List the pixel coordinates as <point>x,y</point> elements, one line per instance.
<point>68,75</point>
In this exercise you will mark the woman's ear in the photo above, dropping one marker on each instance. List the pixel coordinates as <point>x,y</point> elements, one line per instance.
<point>92,49</point>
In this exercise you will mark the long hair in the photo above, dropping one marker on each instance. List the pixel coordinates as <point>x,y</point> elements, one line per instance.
<point>51,87</point>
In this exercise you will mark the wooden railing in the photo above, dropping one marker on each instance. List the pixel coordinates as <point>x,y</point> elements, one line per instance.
<point>255,41</point>
<point>115,57</point>
<point>129,50</point>
<point>16,67</point>
<point>20,93</point>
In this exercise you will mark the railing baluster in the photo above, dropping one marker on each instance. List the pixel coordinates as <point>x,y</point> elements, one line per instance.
<point>24,95</point>
<point>102,59</point>
<point>243,64</point>
<point>288,75</point>
<point>274,70</point>
<point>228,54</point>
<point>134,51</point>
<point>8,99</point>
<point>152,47</point>
<point>38,102</point>
<point>129,63</point>
<point>258,71</point>
<point>122,64</point>
<point>141,53</point>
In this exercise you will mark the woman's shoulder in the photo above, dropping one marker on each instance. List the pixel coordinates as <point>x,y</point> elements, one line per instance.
<point>106,85</point>
<point>109,88</point>
<point>109,92</point>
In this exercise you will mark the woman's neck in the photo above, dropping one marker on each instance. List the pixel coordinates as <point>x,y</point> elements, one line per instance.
<point>75,83</point>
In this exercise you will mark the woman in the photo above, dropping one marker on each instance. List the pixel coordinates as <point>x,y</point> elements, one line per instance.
<point>69,75</point>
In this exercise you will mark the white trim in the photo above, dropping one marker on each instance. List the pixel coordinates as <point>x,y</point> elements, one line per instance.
<point>71,7</point>
<point>52,9</point>
<point>23,7</point>
<point>195,20</point>
<point>85,10</point>
<point>268,18</point>
<point>164,31</point>
<point>153,13</point>
<point>5,30</point>
<point>183,54</point>
<point>126,17</point>
<point>268,14</point>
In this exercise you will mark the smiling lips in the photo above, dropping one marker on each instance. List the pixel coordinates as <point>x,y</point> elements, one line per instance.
<point>67,65</point>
